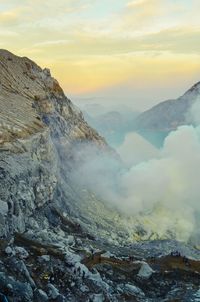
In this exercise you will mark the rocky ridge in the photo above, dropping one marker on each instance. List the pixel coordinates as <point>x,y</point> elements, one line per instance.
<point>168,115</point>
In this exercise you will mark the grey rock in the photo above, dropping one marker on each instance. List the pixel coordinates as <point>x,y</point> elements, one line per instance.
<point>45,258</point>
<point>20,289</point>
<point>40,295</point>
<point>53,291</point>
<point>60,298</point>
<point>70,240</point>
<point>21,252</point>
<point>3,208</point>
<point>133,290</point>
<point>9,251</point>
<point>145,271</point>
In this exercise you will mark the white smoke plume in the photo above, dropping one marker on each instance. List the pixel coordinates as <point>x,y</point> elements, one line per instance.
<point>135,149</point>
<point>193,114</point>
<point>163,185</point>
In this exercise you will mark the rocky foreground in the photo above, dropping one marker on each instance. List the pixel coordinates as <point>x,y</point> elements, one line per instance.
<point>58,241</point>
<point>54,267</point>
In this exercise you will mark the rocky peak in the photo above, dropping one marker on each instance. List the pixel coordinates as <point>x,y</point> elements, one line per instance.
<point>40,129</point>
<point>170,114</point>
<point>30,98</point>
<point>193,91</point>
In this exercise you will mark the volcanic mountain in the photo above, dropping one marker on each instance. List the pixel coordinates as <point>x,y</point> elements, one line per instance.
<point>58,240</point>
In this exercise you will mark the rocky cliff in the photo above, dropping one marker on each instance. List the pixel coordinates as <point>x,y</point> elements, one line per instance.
<point>41,138</point>
<point>38,127</point>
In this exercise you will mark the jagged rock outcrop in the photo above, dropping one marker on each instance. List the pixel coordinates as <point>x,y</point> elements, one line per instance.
<point>28,96</point>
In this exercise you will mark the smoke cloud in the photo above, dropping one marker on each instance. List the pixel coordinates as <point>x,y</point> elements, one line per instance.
<point>158,187</point>
<point>135,149</point>
<point>193,114</point>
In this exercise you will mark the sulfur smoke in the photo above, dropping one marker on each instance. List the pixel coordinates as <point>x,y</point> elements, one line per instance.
<point>161,184</point>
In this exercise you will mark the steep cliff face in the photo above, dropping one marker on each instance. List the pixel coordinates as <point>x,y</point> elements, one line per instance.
<point>30,98</point>
<point>40,130</point>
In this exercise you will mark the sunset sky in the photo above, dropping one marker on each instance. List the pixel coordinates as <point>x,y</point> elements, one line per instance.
<point>138,52</point>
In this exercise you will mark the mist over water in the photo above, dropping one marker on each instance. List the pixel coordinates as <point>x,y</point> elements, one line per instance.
<point>161,185</point>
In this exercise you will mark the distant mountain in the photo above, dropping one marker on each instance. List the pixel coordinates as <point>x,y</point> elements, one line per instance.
<point>170,114</point>
<point>113,125</point>
<point>93,109</point>
<point>155,123</point>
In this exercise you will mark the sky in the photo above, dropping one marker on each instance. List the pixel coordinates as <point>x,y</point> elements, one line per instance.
<point>137,52</point>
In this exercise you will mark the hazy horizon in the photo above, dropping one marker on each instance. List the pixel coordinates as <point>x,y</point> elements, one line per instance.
<point>139,52</point>
<point>136,102</point>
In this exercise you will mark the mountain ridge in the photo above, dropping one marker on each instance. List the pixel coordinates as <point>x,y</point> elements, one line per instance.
<point>26,90</point>
<point>169,114</point>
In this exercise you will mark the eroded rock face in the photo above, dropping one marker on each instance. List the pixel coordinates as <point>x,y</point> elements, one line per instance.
<point>29,96</point>
<point>36,118</point>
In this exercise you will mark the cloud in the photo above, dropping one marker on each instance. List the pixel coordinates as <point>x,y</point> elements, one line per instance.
<point>25,12</point>
<point>136,3</point>
<point>138,44</point>
<point>140,14</point>
<point>136,149</point>
<point>10,17</point>
<point>8,34</point>
<point>159,187</point>
<point>53,42</point>
<point>176,40</point>
<point>193,114</point>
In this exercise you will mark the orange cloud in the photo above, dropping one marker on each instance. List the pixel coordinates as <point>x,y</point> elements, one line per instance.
<point>9,17</point>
